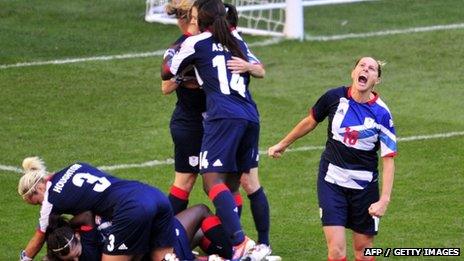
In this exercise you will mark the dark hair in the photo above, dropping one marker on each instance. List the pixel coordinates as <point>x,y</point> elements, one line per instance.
<point>212,16</point>
<point>59,236</point>
<point>231,15</point>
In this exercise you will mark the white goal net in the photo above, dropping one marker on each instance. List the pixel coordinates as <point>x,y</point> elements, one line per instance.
<point>259,17</point>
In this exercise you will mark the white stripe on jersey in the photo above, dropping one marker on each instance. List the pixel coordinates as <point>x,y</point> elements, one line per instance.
<point>369,130</point>
<point>342,109</point>
<point>344,177</point>
<point>197,74</point>
<point>187,49</point>
<point>45,210</point>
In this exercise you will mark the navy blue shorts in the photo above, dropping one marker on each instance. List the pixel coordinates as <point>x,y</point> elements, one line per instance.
<point>187,145</point>
<point>142,221</point>
<point>229,146</point>
<point>182,247</point>
<point>340,206</point>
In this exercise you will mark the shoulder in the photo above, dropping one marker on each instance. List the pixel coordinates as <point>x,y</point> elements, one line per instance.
<point>193,40</point>
<point>382,105</point>
<point>336,93</point>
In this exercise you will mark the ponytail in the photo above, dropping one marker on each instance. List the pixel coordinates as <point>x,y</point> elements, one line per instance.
<point>34,172</point>
<point>212,15</point>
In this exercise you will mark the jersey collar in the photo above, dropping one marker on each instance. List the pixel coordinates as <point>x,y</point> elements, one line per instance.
<point>370,102</point>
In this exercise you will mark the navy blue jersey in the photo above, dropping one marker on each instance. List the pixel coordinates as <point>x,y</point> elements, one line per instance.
<point>191,103</point>
<point>227,94</point>
<point>82,187</point>
<point>92,245</point>
<point>356,132</point>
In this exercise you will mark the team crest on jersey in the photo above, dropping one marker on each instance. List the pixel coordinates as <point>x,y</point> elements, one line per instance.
<point>193,161</point>
<point>369,123</point>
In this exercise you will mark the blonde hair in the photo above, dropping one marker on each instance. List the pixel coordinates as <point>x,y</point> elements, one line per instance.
<point>34,172</point>
<point>180,8</point>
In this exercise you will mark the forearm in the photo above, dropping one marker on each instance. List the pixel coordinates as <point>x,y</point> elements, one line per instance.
<point>256,70</point>
<point>387,178</point>
<point>167,87</point>
<point>301,129</point>
<point>35,244</point>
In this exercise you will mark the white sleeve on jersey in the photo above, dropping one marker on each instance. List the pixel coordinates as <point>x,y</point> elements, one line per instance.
<point>45,210</point>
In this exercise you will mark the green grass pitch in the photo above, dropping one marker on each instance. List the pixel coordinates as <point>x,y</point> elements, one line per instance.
<point>112,112</point>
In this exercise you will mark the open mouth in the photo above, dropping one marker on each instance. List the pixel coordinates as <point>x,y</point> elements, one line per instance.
<point>362,79</point>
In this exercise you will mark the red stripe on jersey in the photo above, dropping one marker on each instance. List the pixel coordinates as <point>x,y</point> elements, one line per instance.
<point>313,114</point>
<point>85,228</point>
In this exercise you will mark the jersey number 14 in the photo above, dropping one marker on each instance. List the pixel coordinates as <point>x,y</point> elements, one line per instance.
<point>237,83</point>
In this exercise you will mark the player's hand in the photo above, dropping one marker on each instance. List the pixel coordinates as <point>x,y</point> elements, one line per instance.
<point>238,65</point>
<point>23,256</point>
<point>378,208</point>
<point>276,151</point>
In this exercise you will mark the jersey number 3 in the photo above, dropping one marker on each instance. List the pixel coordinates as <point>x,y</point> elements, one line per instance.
<point>101,183</point>
<point>236,83</point>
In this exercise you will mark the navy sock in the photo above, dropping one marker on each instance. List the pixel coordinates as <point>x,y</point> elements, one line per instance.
<point>260,211</point>
<point>215,240</point>
<point>226,210</point>
<point>178,198</point>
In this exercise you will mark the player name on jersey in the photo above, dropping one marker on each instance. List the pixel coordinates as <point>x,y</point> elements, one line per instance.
<point>218,47</point>
<point>430,251</point>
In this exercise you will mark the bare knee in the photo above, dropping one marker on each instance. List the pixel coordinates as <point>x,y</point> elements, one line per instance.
<point>337,251</point>
<point>361,242</point>
<point>185,181</point>
<point>250,181</point>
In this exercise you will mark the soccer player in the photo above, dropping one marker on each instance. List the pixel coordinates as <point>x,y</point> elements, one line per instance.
<point>360,124</point>
<point>67,240</point>
<point>186,122</point>
<point>250,182</point>
<point>231,127</point>
<point>142,218</point>
<point>187,119</point>
<point>85,242</point>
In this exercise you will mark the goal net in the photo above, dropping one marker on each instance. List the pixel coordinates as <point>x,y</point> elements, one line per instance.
<point>282,18</point>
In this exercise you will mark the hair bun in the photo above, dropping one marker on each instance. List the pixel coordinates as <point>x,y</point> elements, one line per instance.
<point>33,164</point>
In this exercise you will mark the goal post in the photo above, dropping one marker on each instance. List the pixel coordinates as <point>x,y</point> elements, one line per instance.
<point>280,18</point>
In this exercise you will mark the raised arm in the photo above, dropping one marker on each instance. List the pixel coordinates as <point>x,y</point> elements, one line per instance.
<point>305,126</point>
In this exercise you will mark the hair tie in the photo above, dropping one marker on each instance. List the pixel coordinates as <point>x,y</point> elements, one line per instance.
<point>67,244</point>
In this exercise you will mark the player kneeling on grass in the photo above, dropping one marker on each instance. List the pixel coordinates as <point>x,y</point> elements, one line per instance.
<point>142,218</point>
<point>83,238</point>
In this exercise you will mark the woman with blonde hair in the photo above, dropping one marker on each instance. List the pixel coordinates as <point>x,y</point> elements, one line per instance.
<point>186,124</point>
<point>142,218</point>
